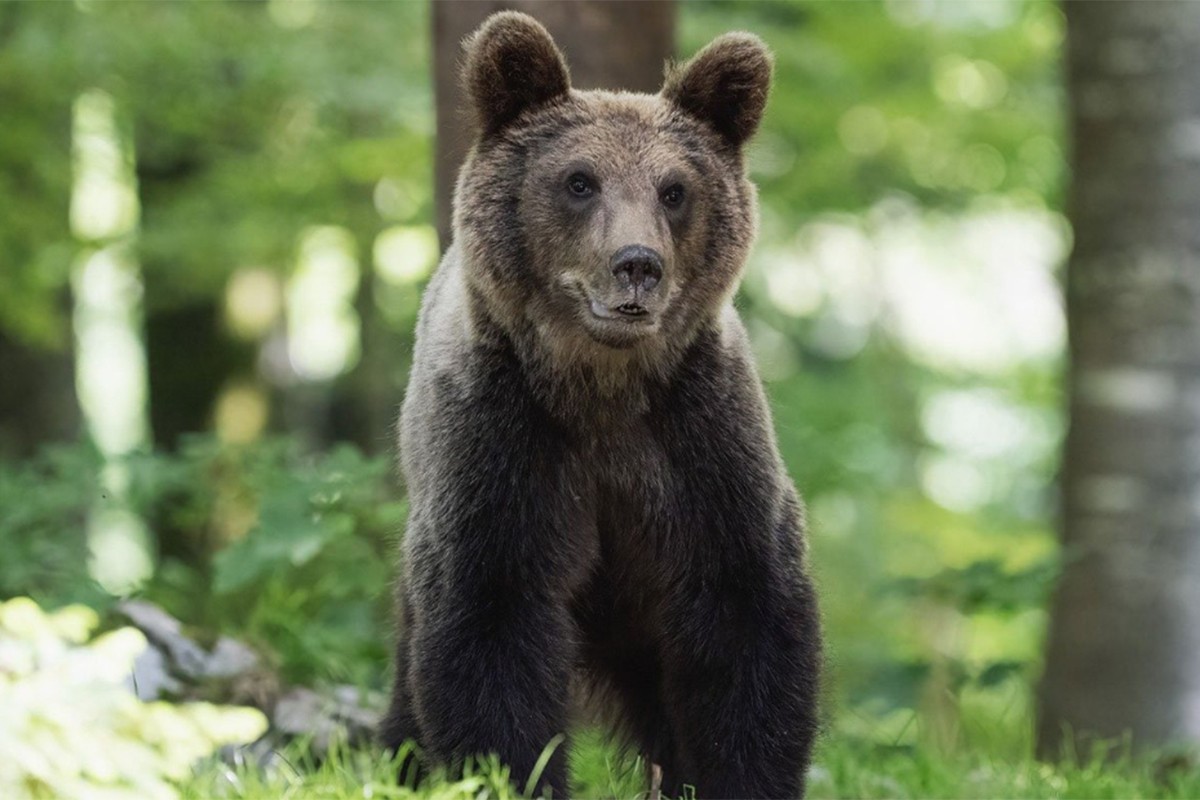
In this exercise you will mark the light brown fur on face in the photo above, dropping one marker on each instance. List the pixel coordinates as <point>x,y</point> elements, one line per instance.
<point>539,262</point>
<point>622,149</point>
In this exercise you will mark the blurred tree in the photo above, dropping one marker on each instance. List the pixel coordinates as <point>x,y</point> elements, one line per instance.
<point>943,102</point>
<point>1124,642</point>
<point>37,392</point>
<point>252,123</point>
<point>199,221</point>
<point>607,45</point>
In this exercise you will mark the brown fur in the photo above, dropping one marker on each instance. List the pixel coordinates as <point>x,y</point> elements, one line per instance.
<point>633,138</point>
<point>511,44</point>
<point>596,495</point>
<point>725,84</point>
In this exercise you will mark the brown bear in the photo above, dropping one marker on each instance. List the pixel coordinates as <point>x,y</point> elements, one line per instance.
<point>597,499</point>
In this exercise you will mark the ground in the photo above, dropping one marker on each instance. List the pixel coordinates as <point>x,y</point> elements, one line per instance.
<point>840,771</point>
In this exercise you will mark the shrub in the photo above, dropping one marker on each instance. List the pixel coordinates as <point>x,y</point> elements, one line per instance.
<point>72,726</point>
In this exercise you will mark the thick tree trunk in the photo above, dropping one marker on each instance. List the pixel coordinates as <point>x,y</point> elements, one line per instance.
<point>1123,656</point>
<point>608,45</point>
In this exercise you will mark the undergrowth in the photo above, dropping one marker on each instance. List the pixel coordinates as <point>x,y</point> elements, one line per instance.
<point>840,770</point>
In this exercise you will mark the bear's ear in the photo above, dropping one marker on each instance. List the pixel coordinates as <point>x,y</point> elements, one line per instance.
<point>725,85</point>
<point>512,64</point>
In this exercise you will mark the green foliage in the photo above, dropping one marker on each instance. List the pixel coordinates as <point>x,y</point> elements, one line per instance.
<point>35,172</point>
<point>350,774</point>
<point>986,586</point>
<point>861,771</point>
<point>72,727</point>
<point>943,100</point>
<point>43,511</point>
<point>296,551</point>
<point>248,126</point>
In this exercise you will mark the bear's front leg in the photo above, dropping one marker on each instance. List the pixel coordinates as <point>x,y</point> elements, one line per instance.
<point>399,730</point>
<point>740,630</point>
<point>490,675</point>
<point>742,687</point>
<point>492,553</point>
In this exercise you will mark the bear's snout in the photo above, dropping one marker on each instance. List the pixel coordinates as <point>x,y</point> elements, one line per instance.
<point>636,267</point>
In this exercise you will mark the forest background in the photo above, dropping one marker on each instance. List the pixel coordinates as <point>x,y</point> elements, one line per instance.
<point>216,220</point>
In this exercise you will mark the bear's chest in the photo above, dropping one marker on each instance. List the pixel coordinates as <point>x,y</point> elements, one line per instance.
<point>627,477</point>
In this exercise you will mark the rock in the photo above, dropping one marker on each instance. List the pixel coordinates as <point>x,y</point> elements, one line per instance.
<point>299,712</point>
<point>303,712</point>
<point>184,657</point>
<point>262,755</point>
<point>151,678</point>
<point>166,633</point>
<point>360,712</point>
<point>229,659</point>
<point>232,672</point>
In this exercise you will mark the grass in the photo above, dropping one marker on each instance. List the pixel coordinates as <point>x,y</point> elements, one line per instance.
<point>841,770</point>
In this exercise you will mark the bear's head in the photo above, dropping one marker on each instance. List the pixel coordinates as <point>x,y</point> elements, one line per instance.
<point>607,220</point>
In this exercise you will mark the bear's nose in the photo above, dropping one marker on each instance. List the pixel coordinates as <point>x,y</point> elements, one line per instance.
<point>636,266</point>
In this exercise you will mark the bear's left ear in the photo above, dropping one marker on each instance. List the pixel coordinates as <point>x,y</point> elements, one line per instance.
<point>725,85</point>
<point>512,64</point>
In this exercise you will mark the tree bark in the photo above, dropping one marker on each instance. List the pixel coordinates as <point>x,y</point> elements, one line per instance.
<point>608,45</point>
<point>1123,656</point>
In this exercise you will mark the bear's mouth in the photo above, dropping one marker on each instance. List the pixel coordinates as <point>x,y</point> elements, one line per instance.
<point>628,312</point>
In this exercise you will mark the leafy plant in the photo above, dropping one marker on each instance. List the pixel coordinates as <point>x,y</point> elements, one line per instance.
<point>292,551</point>
<point>72,726</point>
<point>43,509</point>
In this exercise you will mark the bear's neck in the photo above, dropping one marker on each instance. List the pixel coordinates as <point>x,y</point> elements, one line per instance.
<point>576,378</point>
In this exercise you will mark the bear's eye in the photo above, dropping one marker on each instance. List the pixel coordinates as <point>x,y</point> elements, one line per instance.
<point>580,185</point>
<point>672,196</point>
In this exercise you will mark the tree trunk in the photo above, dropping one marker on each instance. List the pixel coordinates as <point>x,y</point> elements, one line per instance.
<point>1123,655</point>
<point>608,45</point>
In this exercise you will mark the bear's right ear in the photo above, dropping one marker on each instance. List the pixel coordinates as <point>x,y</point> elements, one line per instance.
<point>725,85</point>
<point>512,64</point>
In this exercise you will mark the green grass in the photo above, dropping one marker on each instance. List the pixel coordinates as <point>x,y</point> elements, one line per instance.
<point>850,772</point>
<point>841,770</point>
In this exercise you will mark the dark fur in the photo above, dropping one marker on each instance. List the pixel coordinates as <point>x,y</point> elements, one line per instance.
<point>599,503</point>
<point>725,83</point>
<point>512,66</point>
